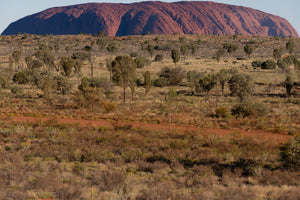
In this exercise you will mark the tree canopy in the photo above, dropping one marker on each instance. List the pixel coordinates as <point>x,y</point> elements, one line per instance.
<point>123,72</point>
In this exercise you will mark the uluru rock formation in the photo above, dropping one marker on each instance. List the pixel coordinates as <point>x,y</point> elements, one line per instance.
<point>153,17</point>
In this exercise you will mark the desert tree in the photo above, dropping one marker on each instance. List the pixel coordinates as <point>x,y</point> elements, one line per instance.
<point>32,63</point>
<point>208,82</point>
<point>108,63</point>
<point>63,84</point>
<point>85,84</point>
<point>175,56</point>
<point>56,46</point>
<point>277,53</point>
<point>89,97</point>
<point>132,86</point>
<point>248,48</point>
<point>171,76</point>
<point>67,48</point>
<point>143,47</point>
<point>183,50</point>
<point>47,86</point>
<point>93,97</point>
<point>150,49</point>
<point>156,39</point>
<point>48,59</point>
<point>176,76</point>
<point>290,45</point>
<point>77,66</point>
<point>111,48</point>
<point>92,42</point>
<point>222,77</point>
<point>219,54</point>
<point>29,61</point>
<point>123,72</point>
<point>78,69</point>
<point>193,78</point>
<point>193,47</point>
<point>231,48</point>
<point>82,56</point>
<point>67,64</point>
<point>90,94</point>
<point>101,43</point>
<point>241,85</point>
<point>182,39</point>
<point>290,153</point>
<point>288,84</point>
<point>16,55</point>
<point>283,65</point>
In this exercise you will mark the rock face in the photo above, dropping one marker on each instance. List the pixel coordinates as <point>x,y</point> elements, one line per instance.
<point>153,17</point>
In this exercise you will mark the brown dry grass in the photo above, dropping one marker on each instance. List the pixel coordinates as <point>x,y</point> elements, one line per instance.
<point>149,148</point>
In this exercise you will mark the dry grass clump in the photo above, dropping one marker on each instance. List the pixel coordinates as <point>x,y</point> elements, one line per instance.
<point>108,180</point>
<point>68,192</point>
<point>163,191</point>
<point>277,177</point>
<point>291,194</point>
<point>238,193</point>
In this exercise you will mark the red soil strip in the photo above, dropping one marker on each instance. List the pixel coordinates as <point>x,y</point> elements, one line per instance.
<point>262,135</point>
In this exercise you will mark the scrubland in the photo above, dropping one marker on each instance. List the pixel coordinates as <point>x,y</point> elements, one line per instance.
<point>76,77</point>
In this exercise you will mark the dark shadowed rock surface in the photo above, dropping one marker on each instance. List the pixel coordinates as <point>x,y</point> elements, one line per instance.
<point>153,17</point>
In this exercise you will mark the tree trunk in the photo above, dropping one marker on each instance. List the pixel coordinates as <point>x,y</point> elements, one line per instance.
<point>110,73</point>
<point>223,89</point>
<point>92,70</point>
<point>124,94</point>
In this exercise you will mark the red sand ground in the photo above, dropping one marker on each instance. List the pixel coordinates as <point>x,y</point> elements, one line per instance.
<point>264,136</point>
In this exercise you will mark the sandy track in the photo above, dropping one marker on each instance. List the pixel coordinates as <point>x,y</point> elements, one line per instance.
<point>263,135</point>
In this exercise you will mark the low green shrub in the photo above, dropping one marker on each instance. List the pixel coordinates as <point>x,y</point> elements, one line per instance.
<point>248,108</point>
<point>257,63</point>
<point>160,82</point>
<point>164,47</point>
<point>221,111</point>
<point>141,62</point>
<point>133,54</point>
<point>231,48</point>
<point>108,106</point>
<point>159,57</point>
<point>174,76</point>
<point>290,153</point>
<point>3,82</point>
<point>87,48</point>
<point>268,64</point>
<point>21,78</point>
<point>16,89</point>
<point>63,85</point>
